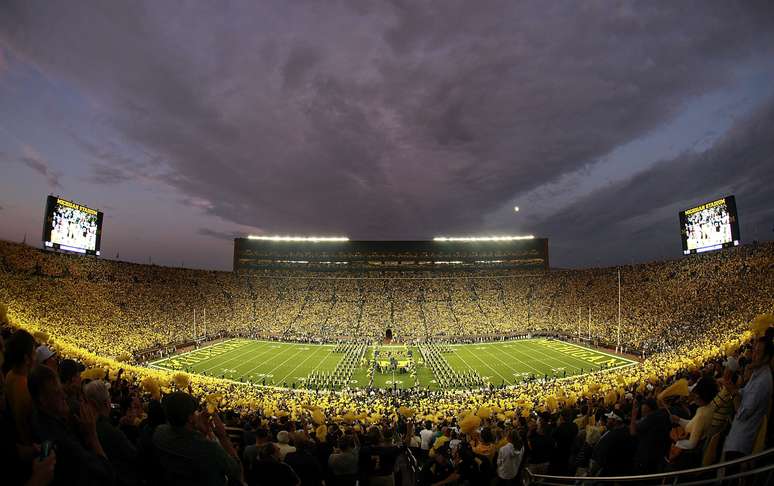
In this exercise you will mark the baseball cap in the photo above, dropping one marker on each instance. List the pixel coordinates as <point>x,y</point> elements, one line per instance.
<point>68,368</point>
<point>43,353</point>
<point>732,364</point>
<point>613,415</point>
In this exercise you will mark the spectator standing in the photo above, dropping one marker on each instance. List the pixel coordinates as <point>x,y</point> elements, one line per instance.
<point>509,459</point>
<point>19,358</point>
<point>754,404</point>
<point>187,453</point>
<point>119,450</point>
<point>80,457</point>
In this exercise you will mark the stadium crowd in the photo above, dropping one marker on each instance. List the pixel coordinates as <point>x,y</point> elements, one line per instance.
<point>702,394</point>
<point>63,424</point>
<point>117,309</point>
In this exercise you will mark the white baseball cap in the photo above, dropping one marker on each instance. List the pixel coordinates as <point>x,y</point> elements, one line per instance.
<point>43,353</point>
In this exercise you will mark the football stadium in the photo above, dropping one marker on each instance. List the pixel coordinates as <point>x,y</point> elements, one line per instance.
<point>386,243</point>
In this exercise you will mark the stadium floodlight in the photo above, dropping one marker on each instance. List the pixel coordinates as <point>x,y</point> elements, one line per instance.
<point>310,239</point>
<point>483,238</point>
<point>515,209</point>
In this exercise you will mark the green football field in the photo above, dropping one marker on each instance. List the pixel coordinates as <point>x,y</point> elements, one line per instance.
<point>291,364</point>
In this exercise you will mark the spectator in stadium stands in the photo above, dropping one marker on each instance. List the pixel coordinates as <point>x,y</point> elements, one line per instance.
<point>119,450</point>
<point>151,470</point>
<point>652,434</point>
<point>270,471</point>
<point>283,444</point>
<point>564,435</point>
<point>695,430</point>
<point>343,462</point>
<point>509,459</point>
<point>485,446</point>
<point>80,457</point>
<point>590,438</point>
<point>250,454</point>
<point>187,452</point>
<point>47,357</point>
<point>70,377</point>
<point>540,446</point>
<point>613,453</point>
<point>755,401</point>
<point>303,462</point>
<point>426,435</point>
<point>19,359</point>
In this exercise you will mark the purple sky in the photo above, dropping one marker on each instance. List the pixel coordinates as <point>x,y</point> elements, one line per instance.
<point>190,122</point>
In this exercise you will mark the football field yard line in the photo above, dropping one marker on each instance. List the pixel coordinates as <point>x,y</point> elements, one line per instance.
<point>511,369</point>
<point>562,358</point>
<point>269,349</point>
<point>251,349</point>
<point>258,357</point>
<point>305,360</point>
<point>196,363</point>
<point>291,357</point>
<point>493,354</point>
<point>591,366</point>
<point>219,362</point>
<point>196,356</point>
<point>324,359</point>
<point>487,365</point>
<point>629,361</point>
<point>551,358</point>
<point>585,366</point>
<point>459,355</point>
<point>189,352</point>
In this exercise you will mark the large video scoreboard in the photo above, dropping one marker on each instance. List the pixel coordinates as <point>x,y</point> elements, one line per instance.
<point>70,226</point>
<point>710,226</point>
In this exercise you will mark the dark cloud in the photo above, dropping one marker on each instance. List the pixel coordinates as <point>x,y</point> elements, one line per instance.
<point>644,209</point>
<point>220,235</point>
<point>35,161</point>
<point>380,120</point>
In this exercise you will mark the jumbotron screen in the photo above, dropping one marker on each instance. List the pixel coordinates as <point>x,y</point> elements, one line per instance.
<point>70,226</point>
<point>710,226</point>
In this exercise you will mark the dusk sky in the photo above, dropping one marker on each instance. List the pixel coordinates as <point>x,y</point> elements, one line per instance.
<point>188,123</point>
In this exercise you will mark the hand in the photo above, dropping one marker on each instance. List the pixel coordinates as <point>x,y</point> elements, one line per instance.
<point>42,470</point>
<point>202,423</point>
<point>218,427</point>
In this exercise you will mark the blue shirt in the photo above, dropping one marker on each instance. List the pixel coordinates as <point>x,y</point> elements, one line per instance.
<point>754,406</point>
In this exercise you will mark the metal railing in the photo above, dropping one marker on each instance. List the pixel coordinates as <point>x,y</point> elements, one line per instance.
<point>752,470</point>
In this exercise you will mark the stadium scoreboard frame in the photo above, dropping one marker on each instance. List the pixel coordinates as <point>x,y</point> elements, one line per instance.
<point>71,227</point>
<point>712,225</point>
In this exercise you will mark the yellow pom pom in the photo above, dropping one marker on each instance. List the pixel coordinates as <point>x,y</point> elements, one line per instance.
<point>551,403</point>
<point>181,380</point>
<point>321,433</point>
<point>611,397</point>
<point>151,386</point>
<point>95,373</point>
<point>678,388</point>
<point>470,424</point>
<point>318,417</point>
<point>484,412</point>
<point>406,412</point>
